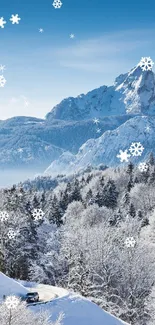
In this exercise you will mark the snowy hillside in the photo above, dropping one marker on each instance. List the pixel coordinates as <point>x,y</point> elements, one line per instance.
<point>132,93</point>
<point>25,142</point>
<point>105,149</point>
<point>9,286</point>
<point>76,309</point>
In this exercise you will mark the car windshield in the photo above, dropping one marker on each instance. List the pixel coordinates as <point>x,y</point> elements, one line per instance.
<point>31,294</point>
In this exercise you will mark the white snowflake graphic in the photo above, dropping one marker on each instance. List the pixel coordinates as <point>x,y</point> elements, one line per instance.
<point>41,30</point>
<point>123,155</point>
<point>2,22</point>
<point>15,19</point>
<point>4,216</point>
<point>57,4</point>
<point>72,36</point>
<point>136,149</point>
<point>11,234</point>
<point>12,302</point>
<point>2,81</point>
<point>47,148</point>
<point>2,68</point>
<point>20,150</point>
<point>38,214</point>
<point>130,242</point>
<point>143,167</point>
<point>98,131</point>
<point>147,129</point>
<point>96,120</point>
<point>146,64</point>
<point>26,104</point>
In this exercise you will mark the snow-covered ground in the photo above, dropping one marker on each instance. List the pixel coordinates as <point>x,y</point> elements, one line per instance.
<point>9,286</point>
<point>76,309</point>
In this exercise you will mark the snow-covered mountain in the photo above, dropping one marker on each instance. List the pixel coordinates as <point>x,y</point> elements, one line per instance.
<point>27,141</point>
<point>132,93</point>
<point>75,308</point>
<point>105,149</point>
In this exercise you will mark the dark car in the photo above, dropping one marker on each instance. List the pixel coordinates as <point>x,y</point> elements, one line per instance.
<point>31,297</point>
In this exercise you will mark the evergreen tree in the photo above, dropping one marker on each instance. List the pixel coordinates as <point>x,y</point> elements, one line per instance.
<point>89,178</point>
<point>152,176</point>
<point>55,214</point>
<point>35,203</point>
<point>89,197</point>
<point>130,169</point>
<point>100,198</point>
<point>76,193</point>
<point>132,210</point>
<point>145,222</point>
<point>101,182</point>
<point>151,159</point>
<point>145,176</point>
<point>43,200</point>
<point>129,186</point>
<point>126,199</point>
<point>139,215</point>
<point>64,201</point>
<point>111,194</point>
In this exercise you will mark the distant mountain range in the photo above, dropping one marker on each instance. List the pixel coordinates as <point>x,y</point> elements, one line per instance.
<point>69,138</point>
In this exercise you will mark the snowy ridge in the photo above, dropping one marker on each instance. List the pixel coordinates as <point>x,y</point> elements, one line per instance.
<point>132,93</point>
<point>105,149</point>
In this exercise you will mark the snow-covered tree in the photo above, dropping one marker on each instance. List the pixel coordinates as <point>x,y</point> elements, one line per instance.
<point>21,315</point>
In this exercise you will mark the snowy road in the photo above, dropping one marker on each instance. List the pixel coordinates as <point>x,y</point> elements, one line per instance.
<point>47,292</point>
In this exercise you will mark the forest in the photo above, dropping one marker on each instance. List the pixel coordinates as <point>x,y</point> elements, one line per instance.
<point>94,234</point>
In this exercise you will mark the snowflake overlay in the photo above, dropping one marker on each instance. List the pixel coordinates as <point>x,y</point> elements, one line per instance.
<point>2,22</point>
<point>146,64</point>
<point>130,242</point>
<point>96,121</point>
<point>2,68</point>
<point>4,216</point>
<point>147,129</point>
<point>98,131</point>
<point>2,81</point>
<point>57,4</point>
<point>38,214</point>
<point>123,155</point>
<point>12,302</point>
<point>15,19</point>
<point>11,234</point>
<point>136,149</point>
<point>143,167</point>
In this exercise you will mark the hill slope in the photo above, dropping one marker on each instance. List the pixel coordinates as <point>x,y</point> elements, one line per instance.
<point>9,286</point>
<point>79,311</point>
<point>76,309</point>
<point>105,149</point>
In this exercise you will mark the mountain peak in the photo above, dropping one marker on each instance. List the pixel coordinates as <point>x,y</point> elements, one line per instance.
<point>132,93</point>
<point>138,91</point>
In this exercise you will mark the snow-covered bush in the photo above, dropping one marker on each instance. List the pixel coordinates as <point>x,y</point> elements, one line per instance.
<point>22,315</point>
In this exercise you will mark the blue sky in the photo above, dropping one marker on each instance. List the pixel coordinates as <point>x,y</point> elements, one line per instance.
<point>43,68</point>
